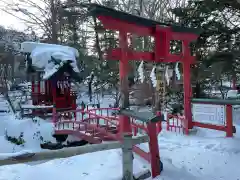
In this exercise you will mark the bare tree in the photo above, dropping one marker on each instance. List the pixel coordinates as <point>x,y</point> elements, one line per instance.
<point>41,16</point>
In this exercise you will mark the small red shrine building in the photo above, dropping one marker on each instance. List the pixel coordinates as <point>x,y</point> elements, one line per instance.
<point>52,69</point>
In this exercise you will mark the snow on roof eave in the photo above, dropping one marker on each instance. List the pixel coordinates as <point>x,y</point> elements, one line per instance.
<point>28,47</point>
<point>50,59</point>
<point>48,75</point>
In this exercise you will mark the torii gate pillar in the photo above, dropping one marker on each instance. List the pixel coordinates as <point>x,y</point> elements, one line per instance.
<point>125,124</point>
<point>187,61</point>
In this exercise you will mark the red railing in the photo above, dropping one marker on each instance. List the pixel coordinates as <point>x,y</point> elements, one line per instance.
<point>97,122</point>
<point>175,123</point>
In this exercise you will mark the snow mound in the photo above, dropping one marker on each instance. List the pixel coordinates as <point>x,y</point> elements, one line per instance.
<point>41,58</point>
<point>232,94</point>
<point>35,131</point>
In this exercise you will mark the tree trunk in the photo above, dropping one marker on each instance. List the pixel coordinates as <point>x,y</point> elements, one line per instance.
<point>54,38</point>
<point>197,90</point>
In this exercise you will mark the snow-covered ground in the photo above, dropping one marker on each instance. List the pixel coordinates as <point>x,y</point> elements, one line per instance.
<point>206,155</point>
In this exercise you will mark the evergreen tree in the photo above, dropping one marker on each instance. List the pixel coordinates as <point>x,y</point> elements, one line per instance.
<point>218,45</point>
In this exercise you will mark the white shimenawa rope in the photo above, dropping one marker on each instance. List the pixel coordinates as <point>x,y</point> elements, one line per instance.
<point>177,71</point>
<point>153,76</point>
<point>167,75</point>
<point>141,72</point>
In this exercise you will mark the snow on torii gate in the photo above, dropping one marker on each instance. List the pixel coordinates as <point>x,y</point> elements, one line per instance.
<point>163,33</point>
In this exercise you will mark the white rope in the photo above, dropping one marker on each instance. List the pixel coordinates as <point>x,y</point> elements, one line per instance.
<point>177,71</point>
<point>141,72</point>
<point>153,76</point>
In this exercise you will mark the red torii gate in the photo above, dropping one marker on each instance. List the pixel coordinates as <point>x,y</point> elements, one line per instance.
<point>163,33</point>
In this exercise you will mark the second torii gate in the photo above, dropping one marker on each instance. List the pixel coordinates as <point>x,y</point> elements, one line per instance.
<point>163,34</point>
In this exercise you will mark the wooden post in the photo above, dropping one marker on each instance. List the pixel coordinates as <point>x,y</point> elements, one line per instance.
<point>151,120</point>
<point>187,103</point>
<point>127,157</point>
<point>234,82</point>
<point>187,87</point>
<point>125,124</point>
<point>154,150</point>
<point>54,115</point>
<point>33,89</point>
<point>229,123</point>
<point>54,92</point>
<point>160,94</point>
<point>159,124</point>
<point>39,88</point>
<point>160,89</point>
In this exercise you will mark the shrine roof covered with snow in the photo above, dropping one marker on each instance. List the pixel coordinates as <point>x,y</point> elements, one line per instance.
<point>51,58</point>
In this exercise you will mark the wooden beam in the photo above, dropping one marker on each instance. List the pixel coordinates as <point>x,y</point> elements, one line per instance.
<point>65,153</point>
<point>146,117</point>
<point>115,54</point>
<point>81,135</point>
<point>216,101</point>
<point>114,24</point>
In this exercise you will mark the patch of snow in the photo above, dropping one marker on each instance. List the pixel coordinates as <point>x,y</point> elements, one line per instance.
<point>29,106</point>
<point>227,83</point>
<point>98,166</point>
<point>28,47</point>
<point>205,155</point>
<point>35,131</point>
<point>232,94</point>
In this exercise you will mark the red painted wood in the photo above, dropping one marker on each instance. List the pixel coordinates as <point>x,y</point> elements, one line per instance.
<point>141,153</point>
<point>187,87</point>
<point>229,123</point>
<point>177,123</point>
<point>115,54</point>
<point>154,150</point>
<point>90,139</point>
<point>124,121</point>
<point>209,126</point>
<point>159,124</point>
<point>234,82</point>
<point>92,127</point>
<point>160,54</point>
<point>184,36</point>
<point>116,25</point>
<point>162,42</point>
